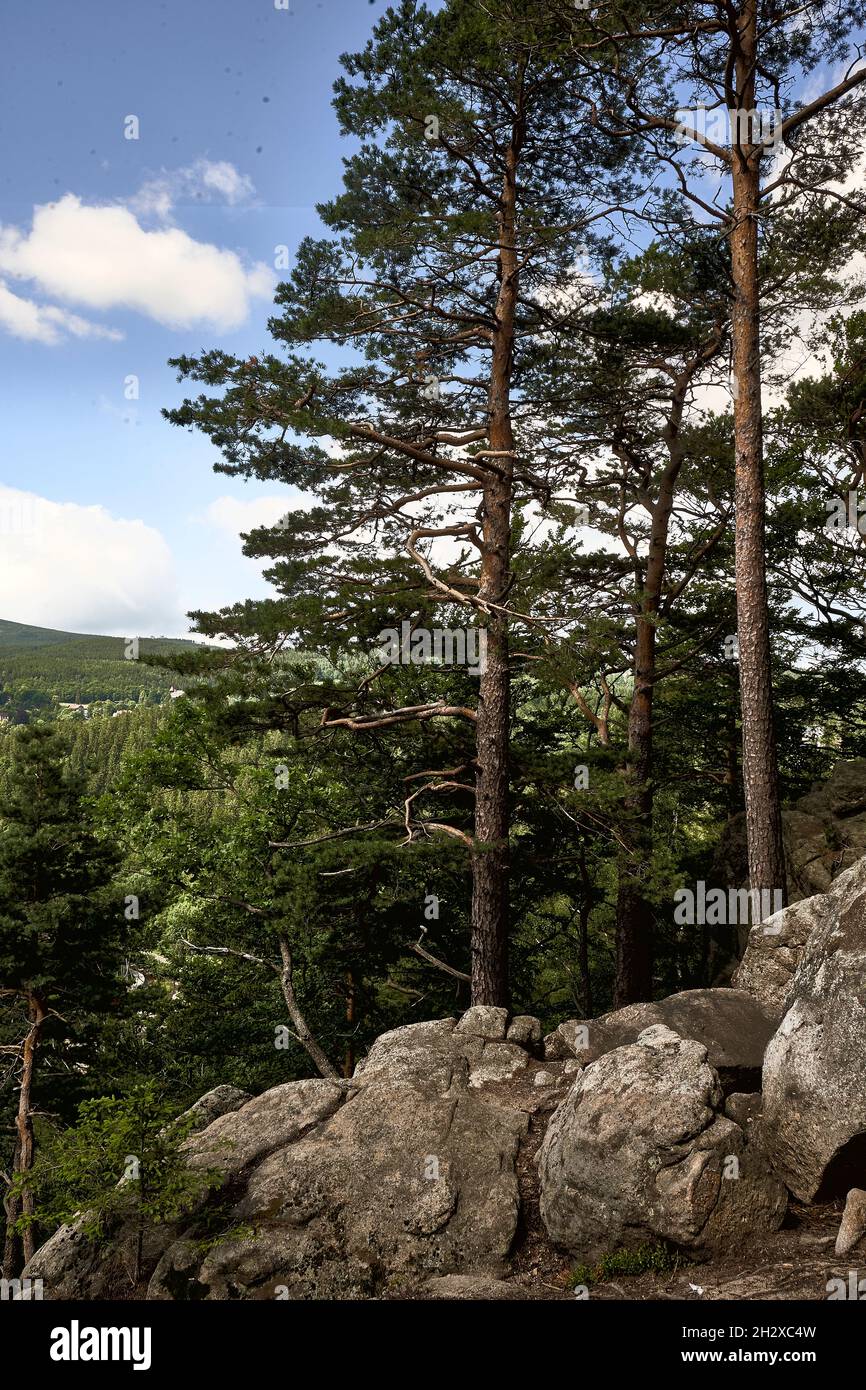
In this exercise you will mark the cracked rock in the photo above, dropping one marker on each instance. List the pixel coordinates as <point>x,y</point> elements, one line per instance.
<point>640,1150</point>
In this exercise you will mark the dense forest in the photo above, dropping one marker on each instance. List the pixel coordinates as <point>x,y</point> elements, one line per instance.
<point>575,394</point>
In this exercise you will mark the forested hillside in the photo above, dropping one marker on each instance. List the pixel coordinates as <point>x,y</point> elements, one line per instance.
<point>40,669</point>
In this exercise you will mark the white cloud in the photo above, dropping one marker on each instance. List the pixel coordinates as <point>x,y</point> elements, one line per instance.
<point>156,198</point>
<point>223,178</point>
<point>237,515</point>
<point>200,182</point>
<point>101,257</point>
<point>68,566</point>
<point>45,323</point>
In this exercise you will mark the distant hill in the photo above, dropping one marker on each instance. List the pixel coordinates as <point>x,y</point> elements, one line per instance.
<point>23,635</point>
<point>41,667</point>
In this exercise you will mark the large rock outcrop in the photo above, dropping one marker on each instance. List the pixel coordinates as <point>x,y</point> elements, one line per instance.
<point>733,1026</point>
<point>775,947</point>
<point>411,1180</point>
<point>814,1120</point>
<point>222,1100</point>
<point>641,1150</point>
<point>410,1176</point>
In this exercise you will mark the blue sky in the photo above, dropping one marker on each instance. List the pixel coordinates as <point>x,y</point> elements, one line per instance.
<point>118,253</point>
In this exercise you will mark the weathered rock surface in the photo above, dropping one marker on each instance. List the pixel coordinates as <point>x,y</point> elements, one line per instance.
<point>484,1021</point>
<point>499,1063</point>
<point>569,1040</point>
<point>474,1287</point>
<point>70,1261</point>
<point>411,1176</point>
<point>222,1100</point>
<point>414,1173</point>
<point>773,951</point>
<point>814,1116</point>
<point>640,1150</point>
<point>853,1227</point>
<point>744,1108</point>
<point>732,1025</point>
<point>775,947</point>
<point>70,1265</point>
<point>525,1030</point>
<point>266,1123</point>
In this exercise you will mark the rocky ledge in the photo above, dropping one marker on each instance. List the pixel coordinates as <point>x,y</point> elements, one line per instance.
<point>470,1159</point>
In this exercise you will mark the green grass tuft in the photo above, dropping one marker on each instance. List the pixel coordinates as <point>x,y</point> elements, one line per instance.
<point>659,1259</point>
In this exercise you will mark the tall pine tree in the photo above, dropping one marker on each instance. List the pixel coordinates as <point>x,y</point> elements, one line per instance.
<point>451,263</point>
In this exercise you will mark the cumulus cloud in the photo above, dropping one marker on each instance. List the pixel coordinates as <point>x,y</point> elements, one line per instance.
<point>202,181</point>
<point>103,258</point>
<point>240,515</point>
<point>45,323</point>
<point>69,566</point>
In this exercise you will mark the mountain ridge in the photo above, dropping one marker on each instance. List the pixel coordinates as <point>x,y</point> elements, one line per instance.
<point>28,635</point>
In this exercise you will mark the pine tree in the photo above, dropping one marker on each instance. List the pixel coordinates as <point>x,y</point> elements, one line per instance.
<point>60,935</point>
<point>731,69</point>
<point>658,485</point>
<point>451,261</point>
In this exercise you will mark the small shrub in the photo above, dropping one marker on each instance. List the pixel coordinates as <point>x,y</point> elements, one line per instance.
<point>122,1161</point>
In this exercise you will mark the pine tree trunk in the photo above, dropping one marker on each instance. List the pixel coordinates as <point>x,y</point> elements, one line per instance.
<point>349,1055</point>
<point>760,763</point>
<point>733,800</point>
<point>490,857</point>
<point>490,867</point>
<point>634,916</point>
